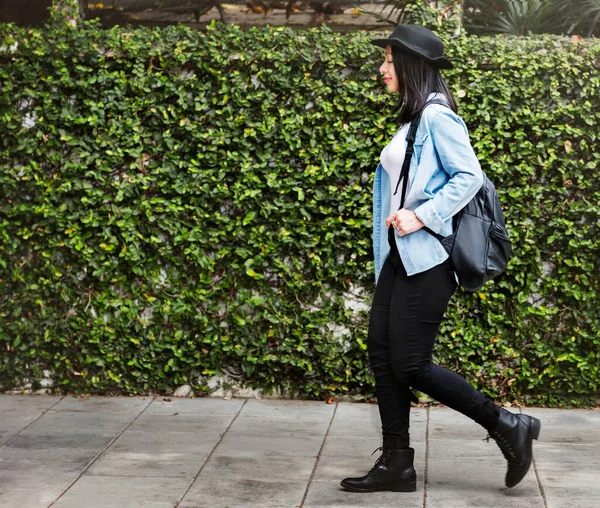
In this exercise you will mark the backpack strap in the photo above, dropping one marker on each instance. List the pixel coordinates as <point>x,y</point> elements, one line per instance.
<point>410,141</point>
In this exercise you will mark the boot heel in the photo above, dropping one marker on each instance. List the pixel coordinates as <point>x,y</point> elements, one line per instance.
<point>405,487</point>
<point>536,425</point>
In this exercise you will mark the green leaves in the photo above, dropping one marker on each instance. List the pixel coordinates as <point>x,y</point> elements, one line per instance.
<point>180,204</point>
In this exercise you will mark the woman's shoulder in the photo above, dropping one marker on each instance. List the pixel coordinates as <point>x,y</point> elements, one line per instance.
<point>438,116</point>
<point>435,109</point>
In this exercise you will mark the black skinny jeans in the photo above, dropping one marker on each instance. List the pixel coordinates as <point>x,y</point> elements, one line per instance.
<point>405,317</point>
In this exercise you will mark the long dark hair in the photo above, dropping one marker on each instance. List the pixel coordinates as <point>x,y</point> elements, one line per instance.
<point>416,80</point>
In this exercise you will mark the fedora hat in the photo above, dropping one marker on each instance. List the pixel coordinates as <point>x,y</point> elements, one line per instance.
<point>417,40</point>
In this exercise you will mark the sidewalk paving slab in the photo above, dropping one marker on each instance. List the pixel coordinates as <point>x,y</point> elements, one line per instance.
<point>272,468</point>
<point>119,491</point>
<point>278,425</point>
<point>126,452</point>
<point>175,455</point>
<point>329,494</point>
<point>24,491</point>
<point>195,406</point>
<point>575,426</point>
<point>478,483</point>
<point>176,423</point>
<point>230,493</point>
<point>19,411</point>
<point>101,404</point>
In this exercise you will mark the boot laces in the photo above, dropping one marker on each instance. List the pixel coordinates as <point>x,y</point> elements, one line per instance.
<point>503,444</point>
<point>379,461</point>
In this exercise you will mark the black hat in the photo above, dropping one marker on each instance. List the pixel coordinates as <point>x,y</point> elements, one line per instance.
<point>419,41</point>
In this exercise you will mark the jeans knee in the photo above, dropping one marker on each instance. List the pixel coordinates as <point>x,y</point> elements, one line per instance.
<point>403,372</point>
<point>407,373</point>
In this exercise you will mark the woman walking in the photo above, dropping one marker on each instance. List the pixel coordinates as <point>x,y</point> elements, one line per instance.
<point>413,273</point>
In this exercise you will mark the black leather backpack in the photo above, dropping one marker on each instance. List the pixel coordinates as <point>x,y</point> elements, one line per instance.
<point>479,247</point>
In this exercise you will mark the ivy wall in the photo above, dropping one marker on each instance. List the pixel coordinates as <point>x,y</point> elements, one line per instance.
<point>180,204</point>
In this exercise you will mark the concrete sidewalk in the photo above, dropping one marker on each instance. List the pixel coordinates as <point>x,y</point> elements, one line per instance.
<point>126,452</point>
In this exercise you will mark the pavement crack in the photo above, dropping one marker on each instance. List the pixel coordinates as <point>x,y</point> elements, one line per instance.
<point>312,474</point>
<point>31,422</point>
<point>91,462</point>
<point>539,482</point>
<point>210,455</point>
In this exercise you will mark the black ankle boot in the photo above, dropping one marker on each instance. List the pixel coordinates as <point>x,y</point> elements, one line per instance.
<point>514,434</point>
<point>392,471</point>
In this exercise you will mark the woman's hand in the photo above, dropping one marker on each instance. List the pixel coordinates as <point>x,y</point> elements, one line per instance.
<point>404,221</point>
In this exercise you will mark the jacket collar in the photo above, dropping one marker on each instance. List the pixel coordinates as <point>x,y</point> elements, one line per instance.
<point>437,95</point>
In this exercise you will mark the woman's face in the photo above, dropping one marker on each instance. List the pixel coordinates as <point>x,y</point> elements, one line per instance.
<point>388,71</point>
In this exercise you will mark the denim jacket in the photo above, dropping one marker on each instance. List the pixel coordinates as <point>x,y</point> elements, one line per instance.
<point>444,175</point>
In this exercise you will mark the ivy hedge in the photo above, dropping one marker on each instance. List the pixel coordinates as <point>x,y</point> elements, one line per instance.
<point>180,204</point>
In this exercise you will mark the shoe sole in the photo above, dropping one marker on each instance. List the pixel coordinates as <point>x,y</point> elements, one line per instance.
<point>535,426</point>
<point>403,487</point>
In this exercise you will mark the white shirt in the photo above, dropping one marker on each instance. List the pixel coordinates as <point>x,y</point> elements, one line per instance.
<point>392,158</point>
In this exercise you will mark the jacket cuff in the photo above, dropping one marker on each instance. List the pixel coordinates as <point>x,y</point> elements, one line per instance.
<point>428,216</point>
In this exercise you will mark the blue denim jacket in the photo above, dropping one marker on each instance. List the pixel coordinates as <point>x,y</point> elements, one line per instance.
<point>444,175</point>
